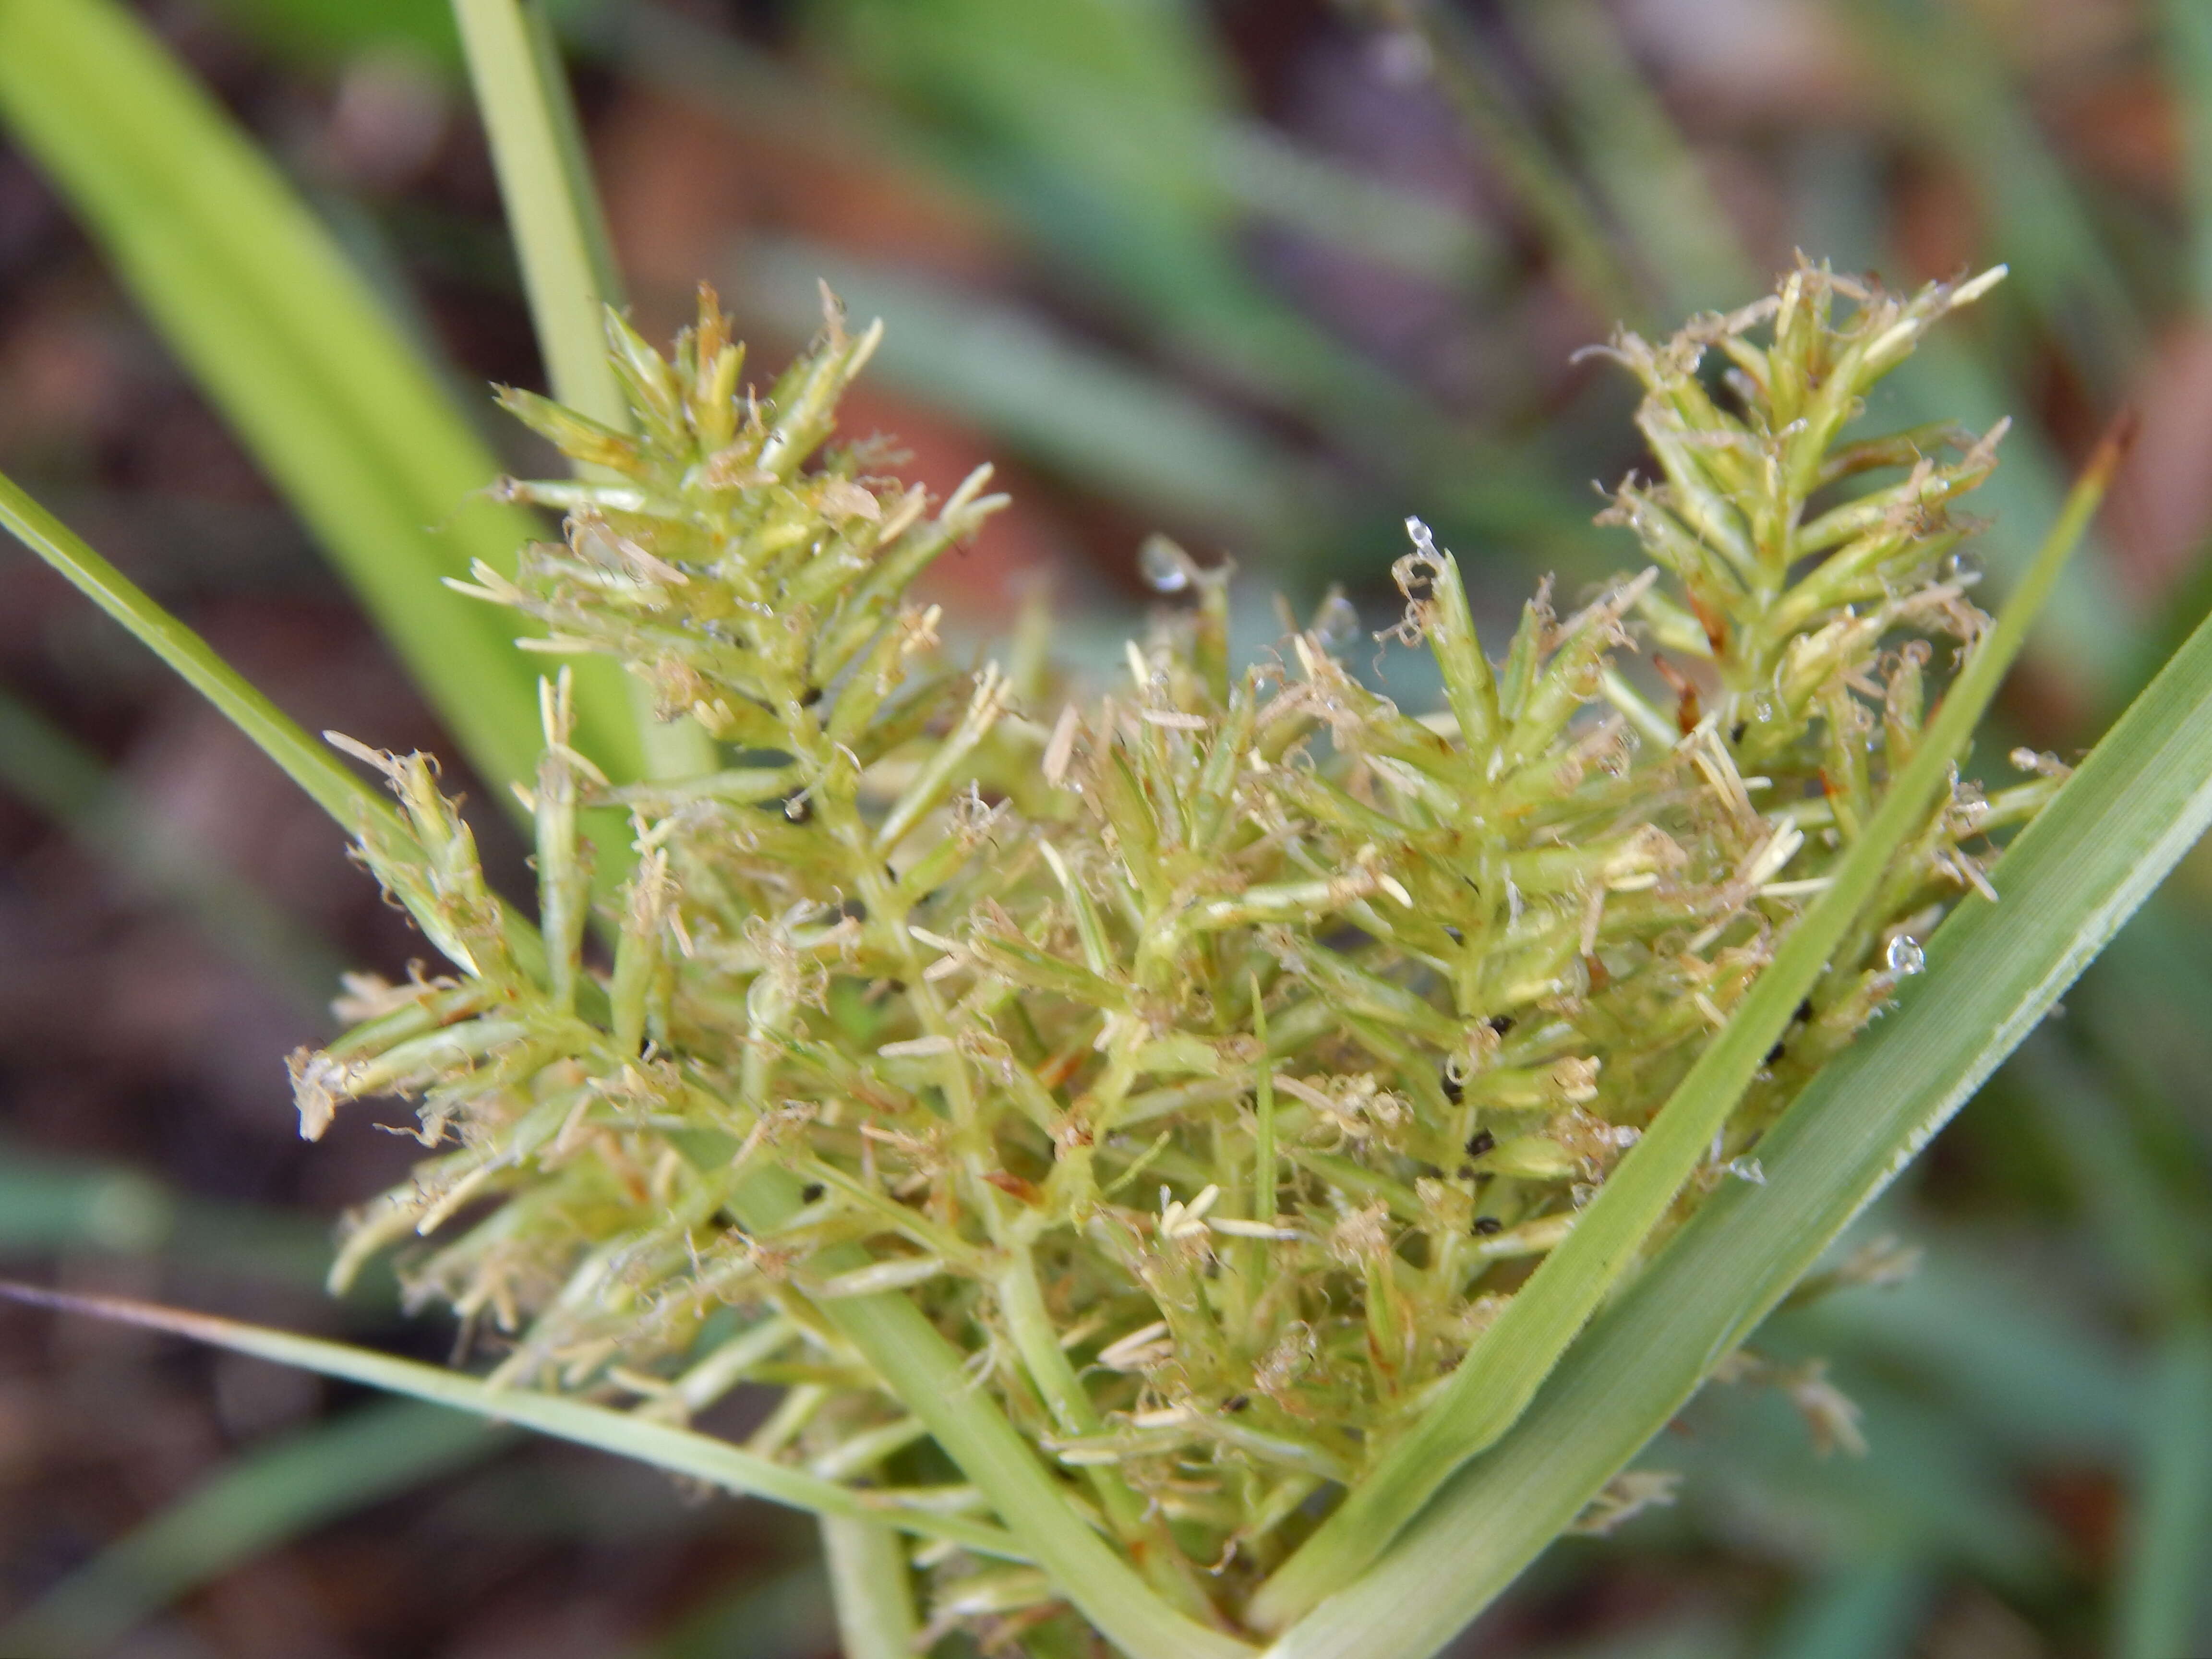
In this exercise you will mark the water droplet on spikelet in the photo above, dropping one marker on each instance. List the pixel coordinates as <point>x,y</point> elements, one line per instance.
<point>1904,956</point>
<point>1336,623</point>
<point>1165,567</point>
<point>1963,568</point>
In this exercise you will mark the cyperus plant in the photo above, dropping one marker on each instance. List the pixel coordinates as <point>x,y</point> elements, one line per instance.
<point>1229,1156</point>
<point>1198,1073</point>
<point>1153,1144</point>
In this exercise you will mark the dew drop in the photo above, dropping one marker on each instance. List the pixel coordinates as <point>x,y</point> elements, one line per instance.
<point>1336,623</point>
<point>1165,567</point>
<point>1963,568</point>
<point>1765,710</point>
<point>1904,956</point>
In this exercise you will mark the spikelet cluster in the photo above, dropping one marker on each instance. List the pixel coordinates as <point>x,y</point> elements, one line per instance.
<point>1208,1060</point>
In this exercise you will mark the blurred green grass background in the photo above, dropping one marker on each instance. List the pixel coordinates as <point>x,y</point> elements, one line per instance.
<point>1269,275</point>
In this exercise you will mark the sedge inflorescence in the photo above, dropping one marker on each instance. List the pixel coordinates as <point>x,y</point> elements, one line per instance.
<point>1208,1061</point>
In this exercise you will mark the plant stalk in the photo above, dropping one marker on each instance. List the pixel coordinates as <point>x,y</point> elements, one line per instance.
<point>868,1584</point>
<point>567,265</point>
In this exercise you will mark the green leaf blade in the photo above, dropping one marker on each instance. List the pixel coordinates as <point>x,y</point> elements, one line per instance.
<point>2141,798</point>
<point>256,298</point>
<point>681,1451</point>
<point>359,808</point>
<point>553,213</point>
<point>328,782</point>
<point>560,232</point>
<point>1495,1382</point>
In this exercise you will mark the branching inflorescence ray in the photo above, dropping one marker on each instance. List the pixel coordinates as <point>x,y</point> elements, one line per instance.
<point>1207,1062</point>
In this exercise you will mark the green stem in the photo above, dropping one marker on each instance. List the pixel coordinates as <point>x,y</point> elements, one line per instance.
<point>1263,1111</point>
<point>552,211</point>
<point>914,1360</point>
<point>1140,1527</point>
<point>868,1584</point>
<point>568,266</point>
<point>1021,1299</point>
<point>930,1377</point>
